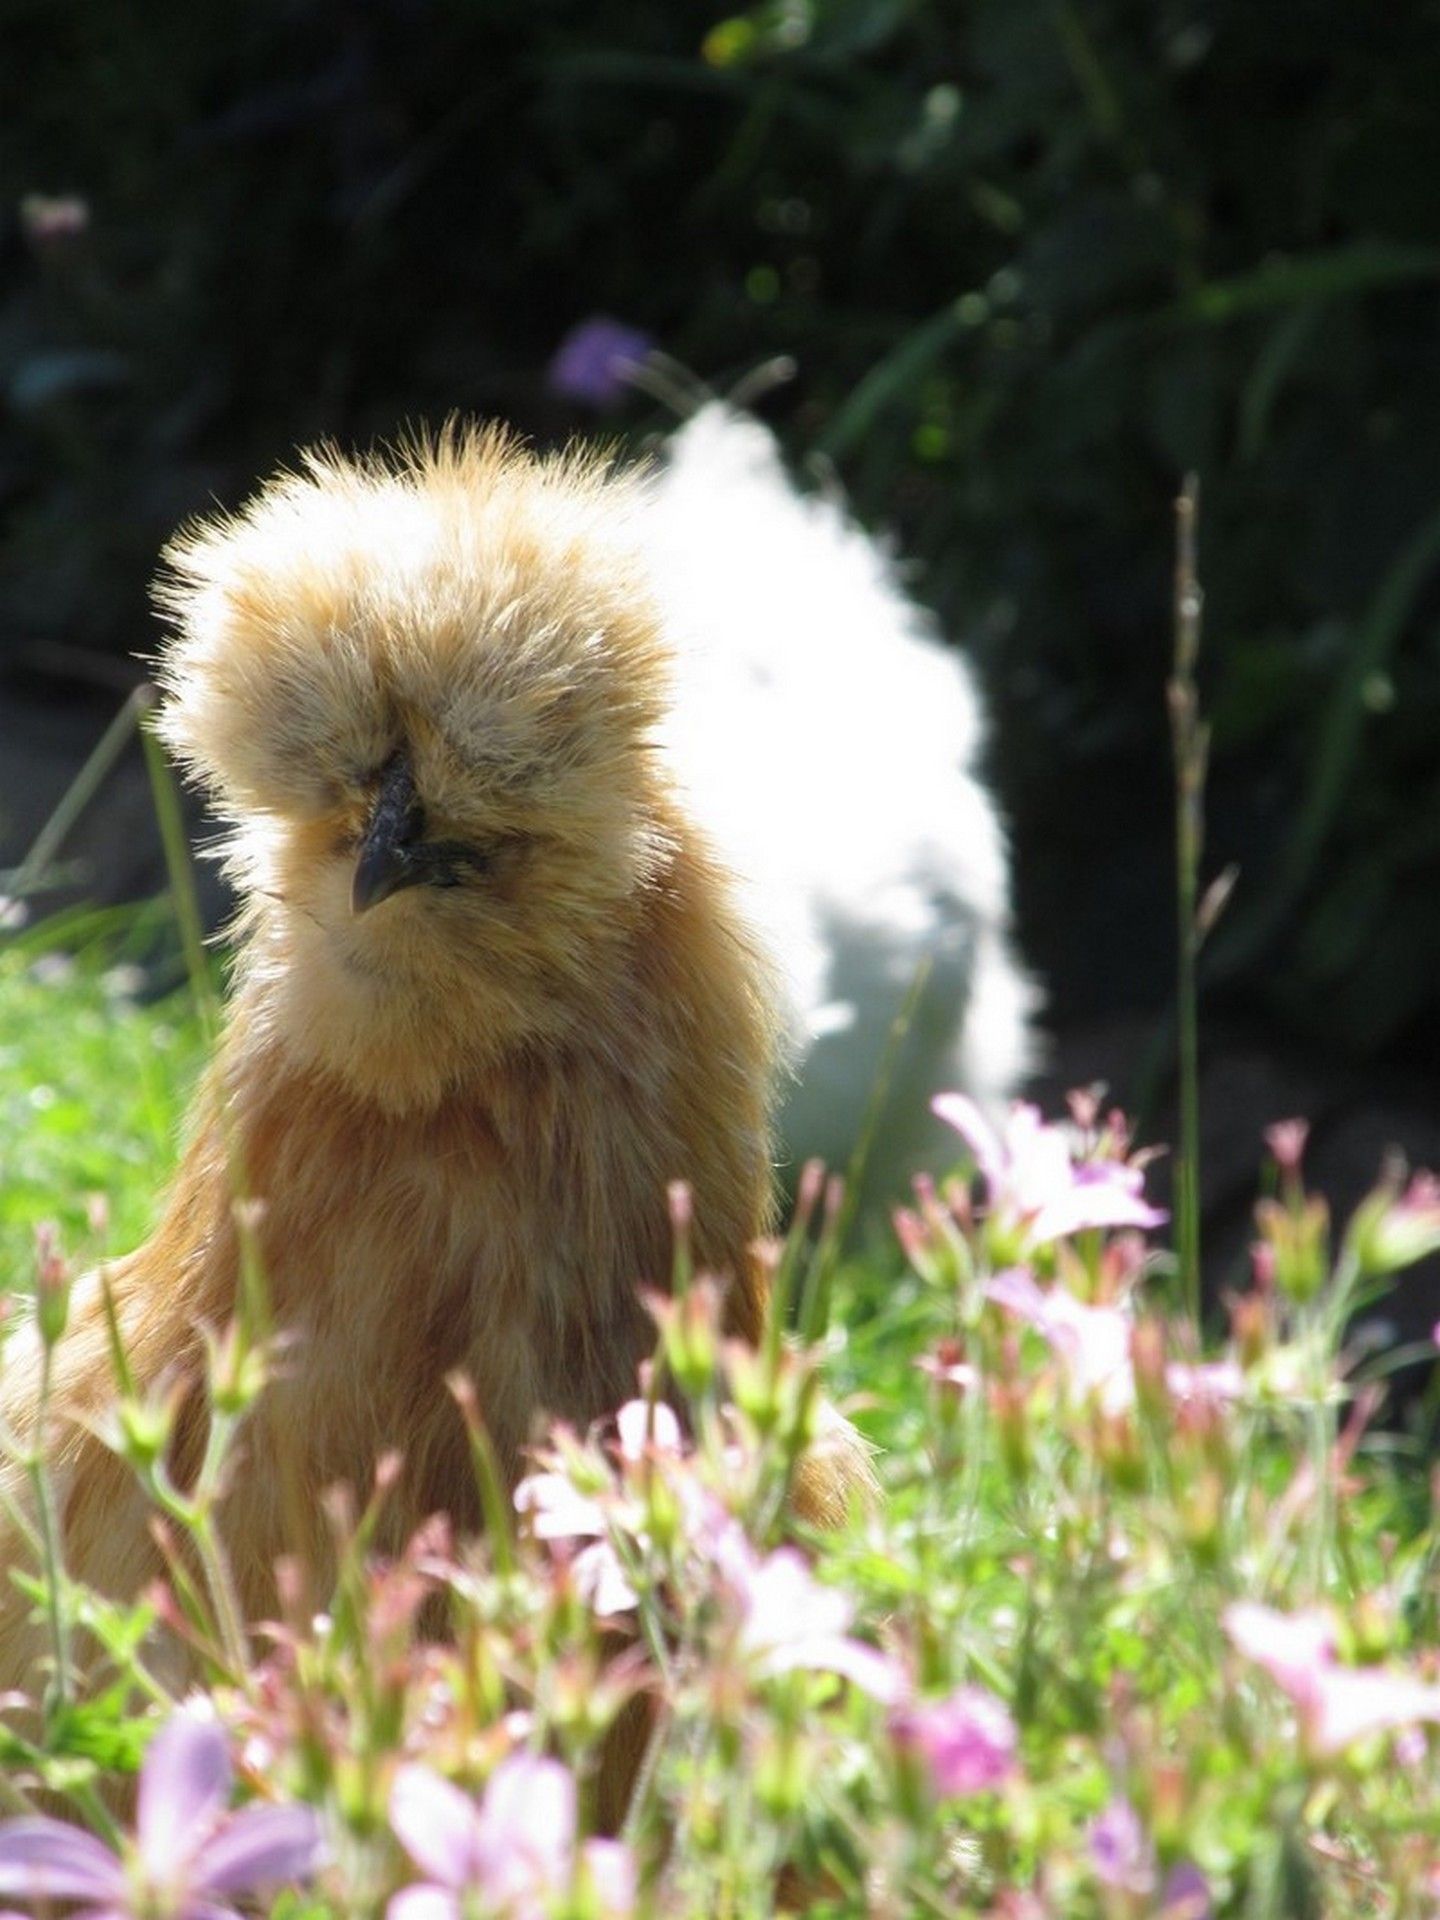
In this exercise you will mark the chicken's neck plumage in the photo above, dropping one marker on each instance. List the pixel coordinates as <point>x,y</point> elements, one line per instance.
<point>504,1228</point>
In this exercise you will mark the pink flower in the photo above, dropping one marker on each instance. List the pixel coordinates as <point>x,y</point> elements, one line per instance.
<point>788,1621</point>
<point>647,1429</point>
<point>1291,1647</point>
<point>1351,1702</point>
<point>187,1855</point>
<point>1033,1185</point>
<point>967,1740</point>
<point>1335,1705</point>
<point>557,1508</point>
<point>559,1511</point>
<point>514,1848</point>
<point>1092,1342</point>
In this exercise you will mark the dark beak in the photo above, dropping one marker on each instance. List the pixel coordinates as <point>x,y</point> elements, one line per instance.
<point>388,860</point>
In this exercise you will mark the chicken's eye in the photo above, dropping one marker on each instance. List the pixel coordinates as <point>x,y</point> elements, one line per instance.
<point>451,863</point>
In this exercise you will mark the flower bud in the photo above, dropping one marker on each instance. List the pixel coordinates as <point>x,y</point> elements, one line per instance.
<point>142,1429</point>
<point>1117,1446</point>
<point>1147,1363</point>
<point>1286,1141</point>
<point>1201,1506</point>
<point>948,1368</point>
<point>1252,1327</point>
<point>1390,1230</point>
<point>690,1334</point>
<point>1172,1802</point>
<point>1007,1403</point>
<point>782,1772</point>
<point>1299,1236</point>
<point>52,1285</point>
<point>236,1370</point>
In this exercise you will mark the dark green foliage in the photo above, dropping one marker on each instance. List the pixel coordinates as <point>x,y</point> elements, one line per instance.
<point>1034,260</point>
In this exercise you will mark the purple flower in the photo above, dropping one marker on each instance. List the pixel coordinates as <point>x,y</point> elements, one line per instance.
<point>1035,1190</point>
<point>593,362</point>
<point>1120,1849</point>
<point>187,1855</point>
<point>967,1740</point>
<point>1185,1894</point>
<point>515,1847</point>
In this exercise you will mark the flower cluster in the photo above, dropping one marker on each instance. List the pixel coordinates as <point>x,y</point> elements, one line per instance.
<point>1121,1636</point>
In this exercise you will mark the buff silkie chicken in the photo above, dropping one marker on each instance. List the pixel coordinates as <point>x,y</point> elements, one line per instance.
<point>869,850</point>
<point>493,991</point>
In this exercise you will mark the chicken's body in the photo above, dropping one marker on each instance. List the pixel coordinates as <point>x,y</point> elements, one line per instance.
<point>493,993</point>
<point>867,844</point>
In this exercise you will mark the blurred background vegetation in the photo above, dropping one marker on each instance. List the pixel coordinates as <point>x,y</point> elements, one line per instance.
<point>1034,259</point>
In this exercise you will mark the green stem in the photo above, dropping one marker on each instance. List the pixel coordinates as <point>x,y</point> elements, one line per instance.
<point>77,796</point>
<point>182,879</point>
<point>223,1597</point>
<point>1190,746</point>
<point>195,1515</point>
<point>50,1537</point>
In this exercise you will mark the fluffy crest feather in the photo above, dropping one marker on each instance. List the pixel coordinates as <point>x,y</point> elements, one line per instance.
<point>493,591</point>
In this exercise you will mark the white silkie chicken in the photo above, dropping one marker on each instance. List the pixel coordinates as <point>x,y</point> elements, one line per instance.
<point>830,741</point>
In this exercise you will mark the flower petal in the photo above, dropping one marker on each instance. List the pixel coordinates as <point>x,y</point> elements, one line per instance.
<point>184,1788</point>
<point>51,1859</point>
<point>611,1867</point>
<point>602,1580</point>
<point>260,1847</point>
<point>1186,1894</point>
<point>783,1603</point>
<point>646,1427</point>
<point>865,1667</point>
<point>1293,1648</point>
<point>1351,1702</point>
<point>959,1111</point>
<point>437,1825</point>
<point>423,1903</point>
<point>557,1510</point>
<point>968,1740</point>
<point>527,1827</point>
<point>1121,1849</point>
<point>1103,1194</point>
<point>594,361</point>
<point>1093,1342</point>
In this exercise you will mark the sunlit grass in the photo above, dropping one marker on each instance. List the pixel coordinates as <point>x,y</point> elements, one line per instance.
<point>96,1069</point>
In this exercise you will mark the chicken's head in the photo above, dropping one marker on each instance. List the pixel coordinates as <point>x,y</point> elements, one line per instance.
<point>426,692</point>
